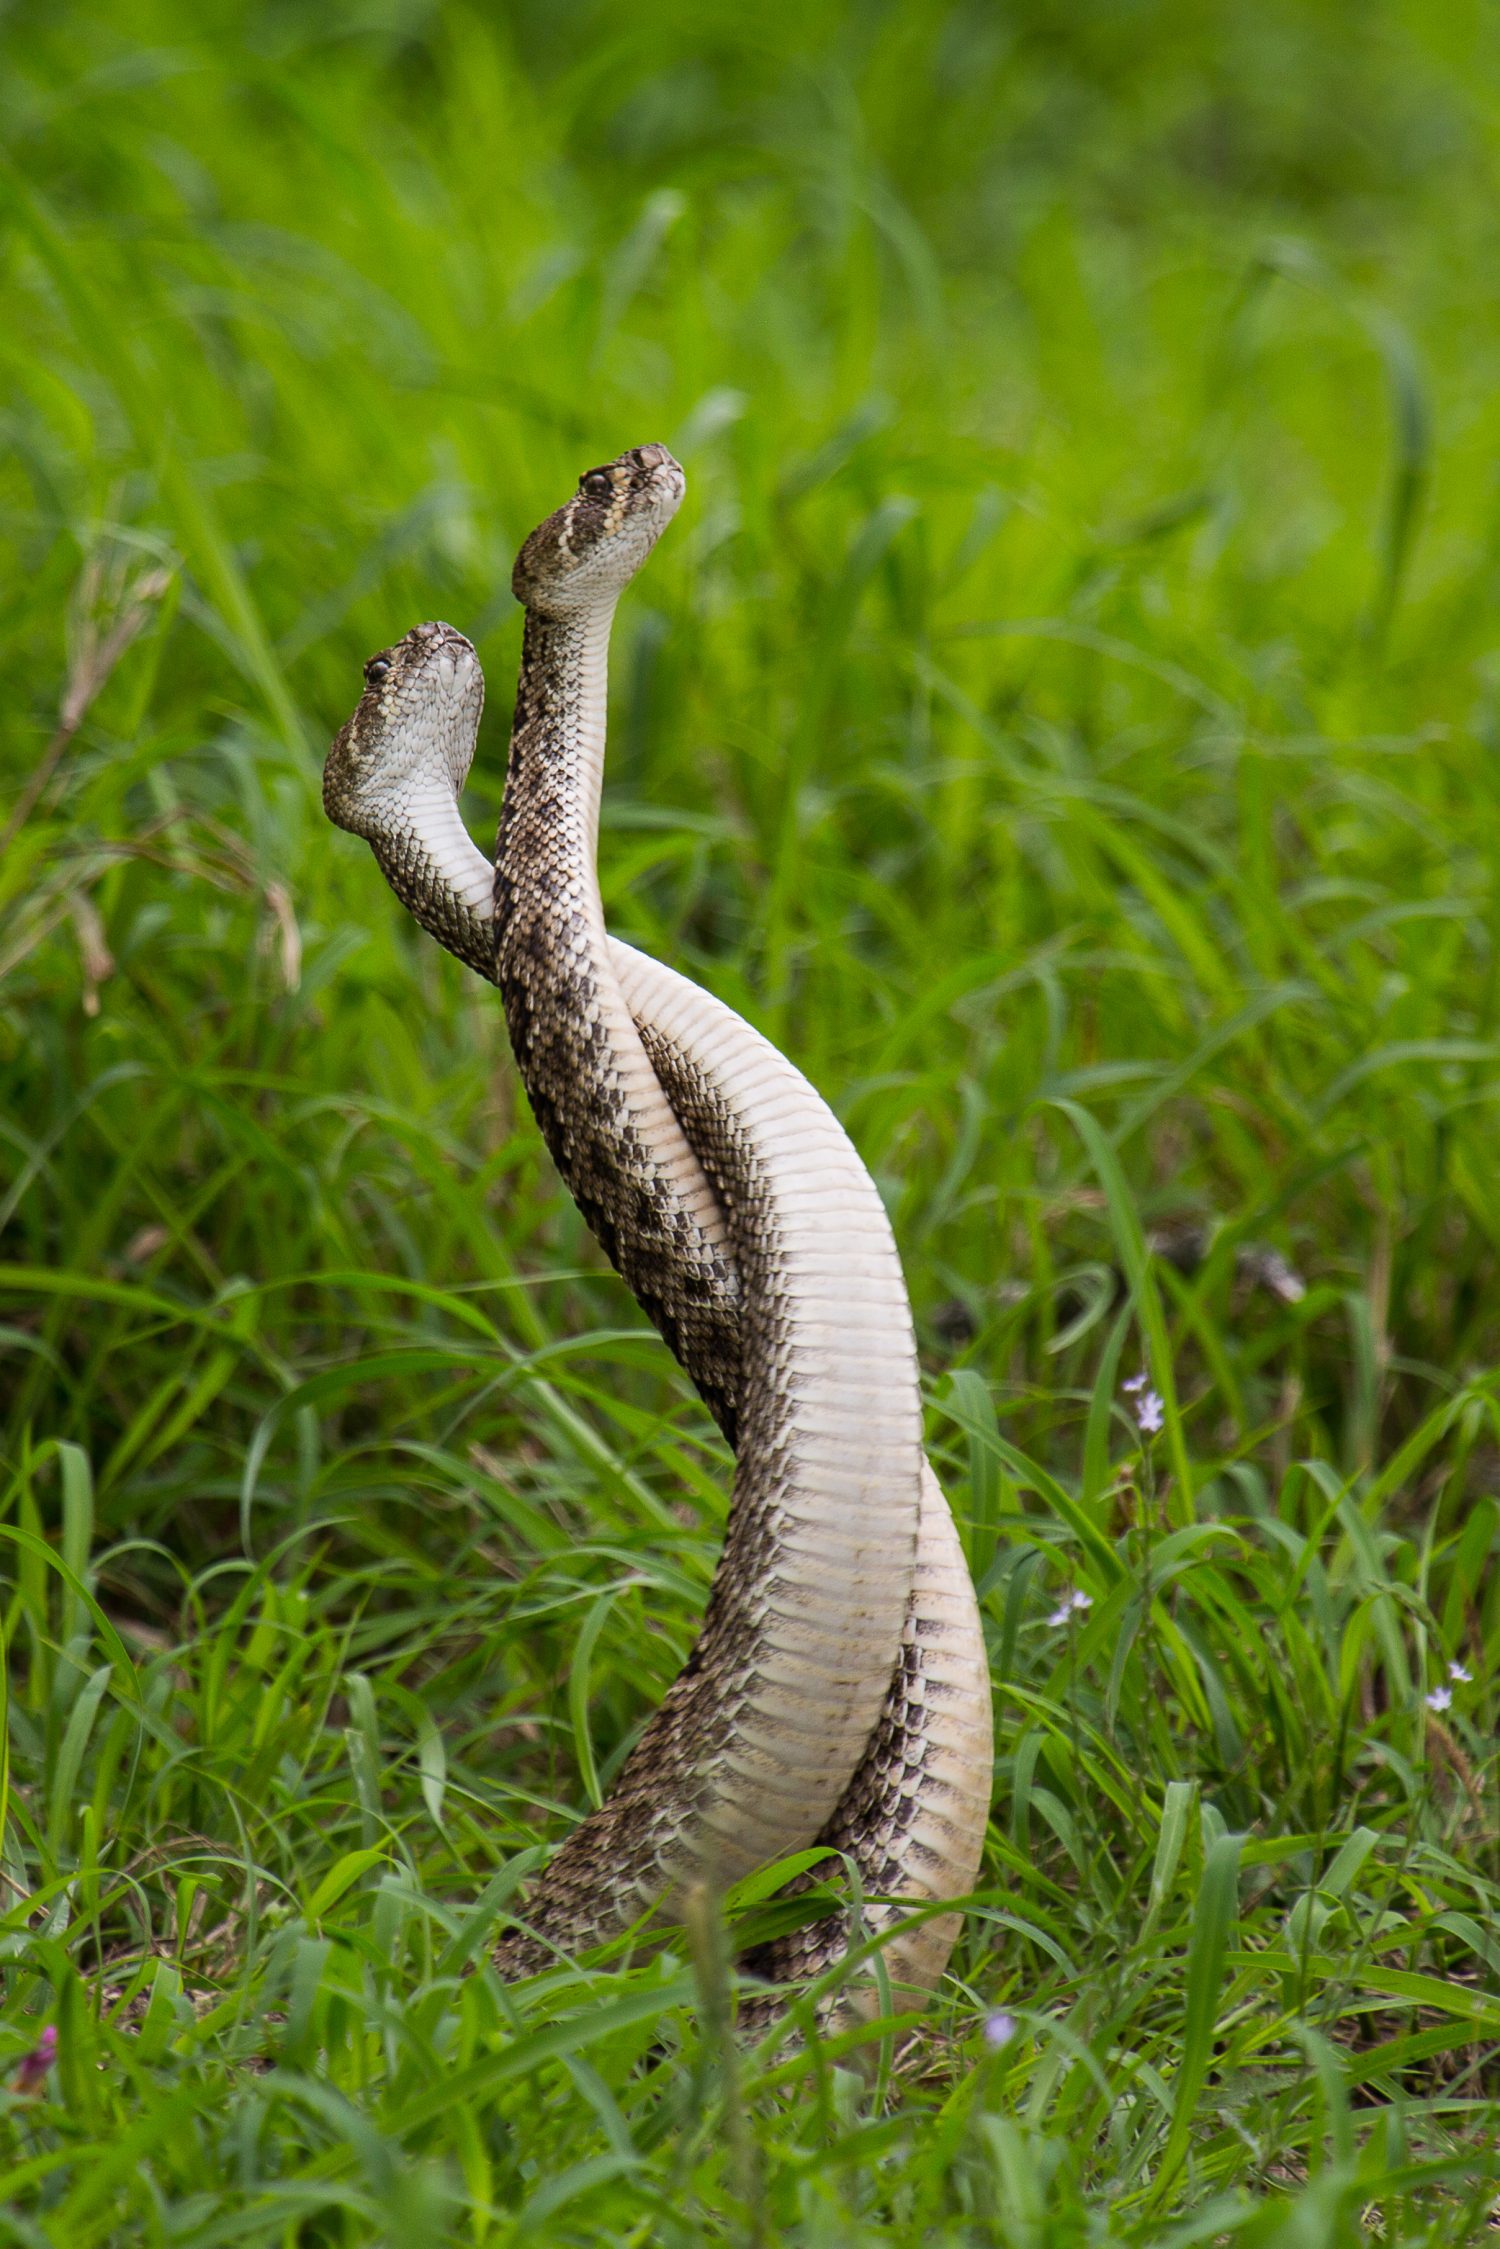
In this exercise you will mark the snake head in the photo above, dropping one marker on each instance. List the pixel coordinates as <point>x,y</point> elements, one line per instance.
<point>413,731</point>
<point>597,540</point>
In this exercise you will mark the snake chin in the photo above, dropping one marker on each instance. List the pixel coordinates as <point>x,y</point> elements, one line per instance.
<point>413,726</point>
<point>594,544</point>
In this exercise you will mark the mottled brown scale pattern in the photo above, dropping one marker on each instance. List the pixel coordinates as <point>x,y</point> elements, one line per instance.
<point>727,1265</point>
<point>695,1233</point>
<point>640,1821</point>
<point>547,953</point>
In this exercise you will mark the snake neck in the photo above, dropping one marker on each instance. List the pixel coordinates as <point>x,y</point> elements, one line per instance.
<point>550,942</point>
<point>602,1112</point>
<point>554,781</point>
<point>442,877</point>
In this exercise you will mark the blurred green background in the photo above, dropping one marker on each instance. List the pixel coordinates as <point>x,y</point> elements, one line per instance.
<point>1073,672</point>
<point>1072,678</point>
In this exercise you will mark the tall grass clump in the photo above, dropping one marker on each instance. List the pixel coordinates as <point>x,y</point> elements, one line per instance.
<point>1066,717</point>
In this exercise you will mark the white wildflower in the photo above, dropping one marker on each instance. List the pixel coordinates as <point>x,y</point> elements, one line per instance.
<point>1073,1603</point>
<point>1150,1413</point>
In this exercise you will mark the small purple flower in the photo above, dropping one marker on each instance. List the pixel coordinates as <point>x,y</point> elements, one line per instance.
<point>1072,1603</point>
<point>1458,1672</point>
<point>1134,1383</point>
<point>1149,1412</point>
<point>999,2029</point>
<point>1440,1698</point>
<point>32,2074</point>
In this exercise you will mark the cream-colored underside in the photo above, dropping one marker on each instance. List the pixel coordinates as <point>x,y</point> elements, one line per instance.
<point>935,1849</point>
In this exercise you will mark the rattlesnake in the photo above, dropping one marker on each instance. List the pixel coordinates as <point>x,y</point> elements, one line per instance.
<point>838,1691</point>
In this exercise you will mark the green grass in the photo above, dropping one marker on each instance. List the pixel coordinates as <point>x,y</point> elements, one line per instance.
<point>1067,717</point>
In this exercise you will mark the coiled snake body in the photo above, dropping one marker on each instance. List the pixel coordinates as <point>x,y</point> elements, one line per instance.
<point>839,1690</point>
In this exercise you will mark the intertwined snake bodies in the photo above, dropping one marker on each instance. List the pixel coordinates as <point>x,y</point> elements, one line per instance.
<point>838,1691</point>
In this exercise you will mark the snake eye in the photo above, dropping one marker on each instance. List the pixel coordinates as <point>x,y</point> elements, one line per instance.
<point>598,484</point>
<point>376,669</point>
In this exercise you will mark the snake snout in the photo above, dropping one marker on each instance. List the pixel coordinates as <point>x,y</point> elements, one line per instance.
<point>441,657</point>
<point>662,475</point>
<point>651,458</point>
<point>446,641</point>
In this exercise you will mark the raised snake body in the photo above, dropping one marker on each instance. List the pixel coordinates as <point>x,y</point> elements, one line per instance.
<point>839,1690</point>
